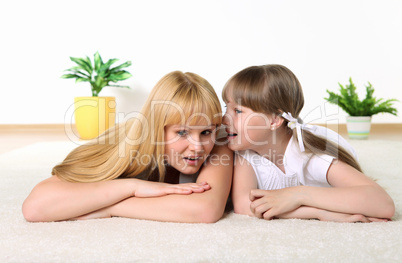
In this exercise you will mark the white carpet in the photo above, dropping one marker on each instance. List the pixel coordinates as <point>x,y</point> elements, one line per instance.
<point>234,238</point>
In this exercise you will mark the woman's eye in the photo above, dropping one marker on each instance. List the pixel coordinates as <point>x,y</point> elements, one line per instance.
<point>182,133</point>
<point>207,132</point>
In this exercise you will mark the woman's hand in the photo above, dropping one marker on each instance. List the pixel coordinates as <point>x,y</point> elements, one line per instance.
<point>154,189</point>
<point>269,203</point>
<point>150,189</point>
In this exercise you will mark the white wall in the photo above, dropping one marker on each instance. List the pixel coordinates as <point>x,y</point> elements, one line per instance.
<point>322,42</point>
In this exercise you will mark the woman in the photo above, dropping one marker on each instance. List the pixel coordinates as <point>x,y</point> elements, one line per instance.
<point>172,140</point>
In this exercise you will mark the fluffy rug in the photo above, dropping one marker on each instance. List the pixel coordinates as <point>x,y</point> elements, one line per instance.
<point>235,238</point>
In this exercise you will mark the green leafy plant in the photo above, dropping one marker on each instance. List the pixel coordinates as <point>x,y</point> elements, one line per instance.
<point>98,74</point>
<point>349,101</point>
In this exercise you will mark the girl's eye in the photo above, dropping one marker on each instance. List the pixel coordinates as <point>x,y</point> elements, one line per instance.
<point>238,111</point>
<point>182,133</point>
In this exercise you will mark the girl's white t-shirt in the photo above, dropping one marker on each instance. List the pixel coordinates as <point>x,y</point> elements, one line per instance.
<point>301,168</point>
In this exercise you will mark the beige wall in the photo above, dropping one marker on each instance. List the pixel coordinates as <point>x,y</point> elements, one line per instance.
<point>323,42</point>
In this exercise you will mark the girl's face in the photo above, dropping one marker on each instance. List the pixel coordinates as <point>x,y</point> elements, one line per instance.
<point>246,129</point>
<point>187,147</point>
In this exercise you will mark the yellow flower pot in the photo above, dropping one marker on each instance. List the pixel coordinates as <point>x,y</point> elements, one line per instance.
<point>94,115</point>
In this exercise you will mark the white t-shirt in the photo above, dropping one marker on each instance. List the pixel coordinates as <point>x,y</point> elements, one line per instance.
<point>301,168</point>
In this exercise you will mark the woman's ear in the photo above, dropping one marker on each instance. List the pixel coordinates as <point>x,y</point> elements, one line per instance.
<point>276,121</point>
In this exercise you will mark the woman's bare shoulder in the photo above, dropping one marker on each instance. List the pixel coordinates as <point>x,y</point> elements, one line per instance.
<point>51,179</point>
<point>221,147</point>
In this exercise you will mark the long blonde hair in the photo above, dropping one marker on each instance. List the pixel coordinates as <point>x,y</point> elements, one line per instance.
<point>274,89</point>
<point>177,98</point>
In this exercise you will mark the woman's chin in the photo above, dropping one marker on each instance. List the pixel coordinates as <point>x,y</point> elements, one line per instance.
<point>189,169</point>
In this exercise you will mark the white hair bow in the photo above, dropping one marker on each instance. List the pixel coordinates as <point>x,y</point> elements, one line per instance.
<point>293,123</point>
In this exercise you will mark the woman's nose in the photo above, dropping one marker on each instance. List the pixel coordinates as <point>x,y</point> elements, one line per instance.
<point>196,144</point>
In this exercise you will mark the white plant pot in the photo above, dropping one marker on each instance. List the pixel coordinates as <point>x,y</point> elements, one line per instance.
<point>358,127</point>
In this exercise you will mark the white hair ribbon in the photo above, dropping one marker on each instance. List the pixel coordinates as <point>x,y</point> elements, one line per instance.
<point>293,123</point>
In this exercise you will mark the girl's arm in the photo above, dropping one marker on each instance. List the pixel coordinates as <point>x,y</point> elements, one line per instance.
<point>352,193</point>
<point>206,207</point>
<point>244,180</point>
<point>54,199</point>
<point>306,212</point>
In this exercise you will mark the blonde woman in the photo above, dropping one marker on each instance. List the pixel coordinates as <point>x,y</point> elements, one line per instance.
<point>133,170</point>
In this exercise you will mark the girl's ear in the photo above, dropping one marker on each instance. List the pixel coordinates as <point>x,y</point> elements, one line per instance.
<point>276,121</point>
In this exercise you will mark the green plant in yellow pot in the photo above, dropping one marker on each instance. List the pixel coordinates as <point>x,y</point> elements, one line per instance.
<point>94,115</point>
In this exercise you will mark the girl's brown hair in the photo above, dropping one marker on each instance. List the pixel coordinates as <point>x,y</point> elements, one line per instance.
<point>274,89</point>
<point>137,146</point>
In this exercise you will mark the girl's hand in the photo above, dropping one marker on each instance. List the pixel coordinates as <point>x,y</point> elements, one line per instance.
<point>348,218</point>
<point>153,189</point>
<point>308,212</point>
<point>269,203</point>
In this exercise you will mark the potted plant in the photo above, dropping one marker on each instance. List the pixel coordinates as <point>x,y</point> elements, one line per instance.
<point>94,115</point>
<point>360,111</point>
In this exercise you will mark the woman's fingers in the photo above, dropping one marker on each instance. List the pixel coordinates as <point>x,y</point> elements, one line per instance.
<point>154,189</point>
<point>188,188</point>
<point>204,186</point>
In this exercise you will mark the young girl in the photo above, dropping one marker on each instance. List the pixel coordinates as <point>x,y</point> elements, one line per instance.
<point>286,169</point>
<point>172,140</point>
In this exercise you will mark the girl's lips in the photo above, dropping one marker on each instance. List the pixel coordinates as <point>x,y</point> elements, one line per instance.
<point>231,136</point>
<point>230,133</point>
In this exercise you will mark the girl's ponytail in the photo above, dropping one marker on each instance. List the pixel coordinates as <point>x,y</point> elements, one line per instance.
<point>320,145</point>
<point>317,144</point>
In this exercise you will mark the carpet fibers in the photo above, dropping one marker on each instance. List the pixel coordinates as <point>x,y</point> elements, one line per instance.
<point>235,238</point>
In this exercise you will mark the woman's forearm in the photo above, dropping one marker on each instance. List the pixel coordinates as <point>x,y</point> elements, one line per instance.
<point>194,208</point>
<point>53,199</point>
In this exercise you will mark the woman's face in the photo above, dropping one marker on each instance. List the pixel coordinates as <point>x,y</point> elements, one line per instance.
<point>187,147</point>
